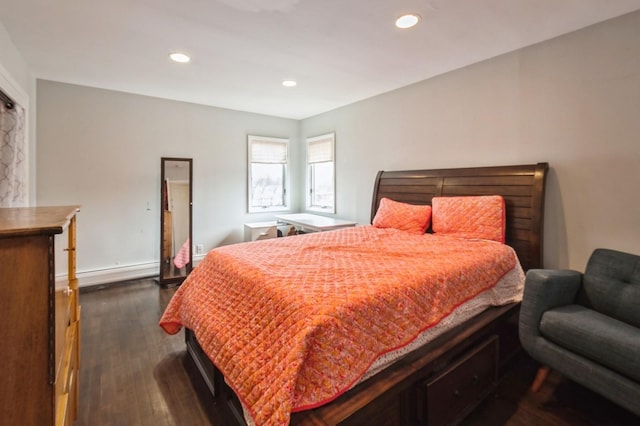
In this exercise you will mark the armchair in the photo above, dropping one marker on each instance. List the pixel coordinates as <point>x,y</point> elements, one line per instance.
<point>587,326</point>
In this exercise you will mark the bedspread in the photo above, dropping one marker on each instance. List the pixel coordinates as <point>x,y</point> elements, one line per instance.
<point>184,255</point>
<point>294,322</point>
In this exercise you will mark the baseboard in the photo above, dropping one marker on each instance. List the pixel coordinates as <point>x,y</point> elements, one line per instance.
<point>117,273</point>
<point>123,273</point>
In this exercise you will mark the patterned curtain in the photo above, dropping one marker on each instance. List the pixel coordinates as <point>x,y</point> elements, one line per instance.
<point>13,161</point>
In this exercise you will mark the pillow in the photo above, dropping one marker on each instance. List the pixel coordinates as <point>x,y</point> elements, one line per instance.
<point>470,217</point>
<point>402,216</point>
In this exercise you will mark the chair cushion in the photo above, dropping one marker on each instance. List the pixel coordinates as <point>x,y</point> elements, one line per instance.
<point>604,340</point>
<point>611,285</point>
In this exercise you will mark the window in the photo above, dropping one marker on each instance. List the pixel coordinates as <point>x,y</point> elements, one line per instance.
<point>268,178</point>
<point>321,173</point>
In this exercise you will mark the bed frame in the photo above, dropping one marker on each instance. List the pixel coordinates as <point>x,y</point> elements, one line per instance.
<point>443,381</point>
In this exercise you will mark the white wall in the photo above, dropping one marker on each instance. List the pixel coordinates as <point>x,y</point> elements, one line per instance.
<point>17,81</point>
<point>573,101</point>
<point>102,149</point>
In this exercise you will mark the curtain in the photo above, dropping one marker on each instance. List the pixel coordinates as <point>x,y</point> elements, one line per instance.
<point>13,161</point>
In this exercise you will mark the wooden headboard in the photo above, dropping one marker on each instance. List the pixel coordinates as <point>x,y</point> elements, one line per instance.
<point>521,186</point>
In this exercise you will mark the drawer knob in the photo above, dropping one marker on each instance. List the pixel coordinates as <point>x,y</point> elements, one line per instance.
<point>474,381</point>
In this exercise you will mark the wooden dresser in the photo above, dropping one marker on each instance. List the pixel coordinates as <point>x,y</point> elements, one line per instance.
<point>41,316</point>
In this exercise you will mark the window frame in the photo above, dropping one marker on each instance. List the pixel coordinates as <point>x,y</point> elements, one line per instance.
<point>251,139</point>
<point>309,171</point>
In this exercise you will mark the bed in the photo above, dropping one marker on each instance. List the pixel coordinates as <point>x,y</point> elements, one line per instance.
<point>299,345</point>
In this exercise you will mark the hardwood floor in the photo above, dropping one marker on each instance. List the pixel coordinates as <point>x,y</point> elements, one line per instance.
<point>132,373</point>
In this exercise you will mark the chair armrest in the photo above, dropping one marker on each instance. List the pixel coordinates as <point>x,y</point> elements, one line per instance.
<point>546,289</point>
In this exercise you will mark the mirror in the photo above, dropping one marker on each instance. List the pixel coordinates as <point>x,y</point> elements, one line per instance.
<point>176,257</point>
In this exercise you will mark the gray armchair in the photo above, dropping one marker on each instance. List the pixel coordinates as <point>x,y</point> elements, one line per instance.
<point>587,326</point>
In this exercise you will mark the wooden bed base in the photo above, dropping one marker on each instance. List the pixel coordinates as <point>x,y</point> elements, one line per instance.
<point>444,380</point>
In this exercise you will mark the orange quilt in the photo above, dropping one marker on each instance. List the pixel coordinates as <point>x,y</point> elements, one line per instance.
<point>294,322</point>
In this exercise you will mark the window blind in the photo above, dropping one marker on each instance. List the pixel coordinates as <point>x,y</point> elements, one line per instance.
<point>320,150</point>
<point>268,151</point>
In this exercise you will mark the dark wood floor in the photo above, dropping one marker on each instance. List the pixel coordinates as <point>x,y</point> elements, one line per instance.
<point>132,373</point>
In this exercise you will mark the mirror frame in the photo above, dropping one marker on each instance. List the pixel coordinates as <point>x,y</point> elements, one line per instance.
<point>163,278</point>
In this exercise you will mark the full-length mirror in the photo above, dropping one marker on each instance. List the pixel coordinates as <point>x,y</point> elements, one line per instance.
<point>176,258</point>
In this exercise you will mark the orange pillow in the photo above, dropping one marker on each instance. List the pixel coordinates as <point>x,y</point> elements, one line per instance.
<point>470,217</point>
<point>402,216</point>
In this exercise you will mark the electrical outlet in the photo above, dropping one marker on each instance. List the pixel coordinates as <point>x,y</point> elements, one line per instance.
<point>199,248</point>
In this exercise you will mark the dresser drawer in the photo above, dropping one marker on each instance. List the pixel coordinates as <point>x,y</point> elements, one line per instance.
<point>65,306</point>
<point>62,412</point>
<point>66,381</point>
<point>452,394</point>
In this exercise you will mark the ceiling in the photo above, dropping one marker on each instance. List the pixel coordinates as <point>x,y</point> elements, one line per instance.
<point>338,51</point>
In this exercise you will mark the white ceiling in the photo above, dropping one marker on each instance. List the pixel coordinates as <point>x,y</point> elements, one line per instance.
<point>339,51</point>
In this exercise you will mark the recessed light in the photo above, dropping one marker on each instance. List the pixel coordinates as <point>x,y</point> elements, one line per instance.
<point>289,83</point>
<point>407,21</point>
<point>179,57</point>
